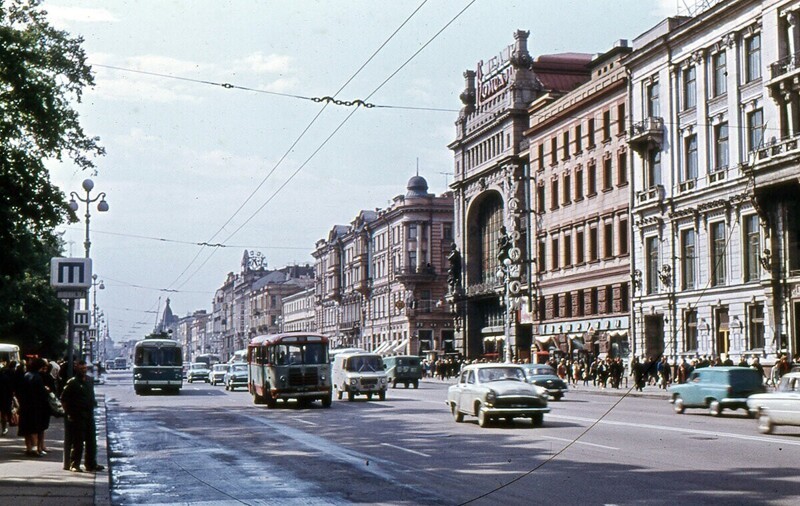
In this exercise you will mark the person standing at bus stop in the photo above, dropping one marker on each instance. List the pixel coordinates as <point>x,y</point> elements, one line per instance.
<point>79,403</point>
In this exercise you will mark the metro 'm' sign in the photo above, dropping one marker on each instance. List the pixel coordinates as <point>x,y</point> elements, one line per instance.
<point>70,273</point>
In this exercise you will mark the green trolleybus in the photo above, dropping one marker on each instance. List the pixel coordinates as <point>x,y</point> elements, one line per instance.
<point>157,363</point>
<point>292,365</point>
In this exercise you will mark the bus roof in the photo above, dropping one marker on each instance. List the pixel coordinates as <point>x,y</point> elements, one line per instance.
<point>9,347</point>
<point>288,337</point>
<point>156,342</point>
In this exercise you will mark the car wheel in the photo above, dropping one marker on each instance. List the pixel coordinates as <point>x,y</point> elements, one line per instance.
<point>458,416</point>
<point>678,405</point>
<point>557,397</point>
<point>406,384</point>
<point>765,424</point>
<point>351,395</point>
<point>416,383</point>
<point>483,418</point>
<point>369,396</point>
<point>338,394</point>
<point>537,419</point>
<point>394,384</point>
<point>382,395</point>
<point>327,401</point>
<point>714,408</point>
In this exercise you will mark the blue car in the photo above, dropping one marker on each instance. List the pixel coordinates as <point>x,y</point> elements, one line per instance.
<point>716,388</point>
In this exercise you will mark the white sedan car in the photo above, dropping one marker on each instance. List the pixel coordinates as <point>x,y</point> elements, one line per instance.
<point>781,407</point>
<point>493,391</point>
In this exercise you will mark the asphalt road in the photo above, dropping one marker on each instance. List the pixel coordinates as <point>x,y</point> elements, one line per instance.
<point>209,446</point>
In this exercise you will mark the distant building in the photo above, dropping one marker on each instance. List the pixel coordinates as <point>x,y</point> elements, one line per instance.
<point>298,312</point>
<point>381,281</point>
<point>267,295</point>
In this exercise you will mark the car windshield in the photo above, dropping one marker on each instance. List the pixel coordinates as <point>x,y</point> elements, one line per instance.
<point>199,366</point>
<point>238,368</point>
<point>500,374</point>
<point>540,371</point>
<point>366,363</point>
<point>220,368</point>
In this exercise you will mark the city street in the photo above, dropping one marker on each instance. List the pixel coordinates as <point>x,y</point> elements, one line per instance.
<point>211,446</point>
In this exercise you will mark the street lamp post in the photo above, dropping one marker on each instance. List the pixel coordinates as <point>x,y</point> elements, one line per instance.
<point>95,286</point>
<point>102,206</point>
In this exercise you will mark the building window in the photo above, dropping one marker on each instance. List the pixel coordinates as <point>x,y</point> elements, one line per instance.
<point>447,232</point>
<point>567,188</point>
<point>568,304</point>
<point>651,252</point>
<point>590,132</point>
<point>565,147</point>
<point>554,194</point>
<point>721,146</point>
<point>624,306</point>
<point>490,219</point>
<point>752,47</point>
<point>578,183</point>
<point>607,174</point>
<point>567,250</point>
<point>593,251</point>
<point>578,139</point>
<point>412,232</point>
<point>719,69</point>
<point>755,326</point>
<point>653,175</point>
<point>606,126</point>
<point>556,304</point>
<point>580,300</point>
<point>752,249</point>
<point>653,103</point>
<point>609,299</point>
<point>755,129</point>
<point>623,237</point>
<point>718,253</point>
<point>579,242</point>
<point>541,156</point>
<point>622,169</point>
<point>554,252</point>
<point>608,239</point>
<point>540,205</point>
<point>591,176</point>
<point>594,301</point>
<point>689,88</point>
<point>621,119</point>
<point>690,330</point>
<point>554,150</point>
<point>690,155</point>
<point>541,257</point>
<point>688,249</point>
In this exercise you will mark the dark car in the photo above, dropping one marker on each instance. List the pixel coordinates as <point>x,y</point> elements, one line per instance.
<point>717,388</point>
<point>405,369</point>
<point>546,377</point>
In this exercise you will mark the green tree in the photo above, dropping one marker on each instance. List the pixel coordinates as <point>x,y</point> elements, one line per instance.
<point>43,72</point>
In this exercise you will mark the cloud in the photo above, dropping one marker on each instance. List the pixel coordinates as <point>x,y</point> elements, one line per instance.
<point>61,16</point>
<point>257,63</point>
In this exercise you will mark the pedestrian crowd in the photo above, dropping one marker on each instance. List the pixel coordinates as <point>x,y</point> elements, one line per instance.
<point>33,392</point>
<point>608,372</point>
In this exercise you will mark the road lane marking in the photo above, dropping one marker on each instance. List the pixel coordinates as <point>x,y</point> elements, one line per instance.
<point>731,435</point>
<point>415,452</point>
<point>305,422</point>
<point>578,442</point>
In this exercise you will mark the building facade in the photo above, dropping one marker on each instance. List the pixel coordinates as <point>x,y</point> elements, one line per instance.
<point>580,222</point>
<point>492,198</point>
<point>298,312</point>
<point>381,281</point>
<point>704,283</point>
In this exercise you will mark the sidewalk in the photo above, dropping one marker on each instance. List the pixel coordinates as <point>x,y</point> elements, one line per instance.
<point>42,480</point>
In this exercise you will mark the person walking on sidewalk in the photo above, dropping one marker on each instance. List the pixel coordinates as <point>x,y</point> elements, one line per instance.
<point>79,403</point>
<point>34,408</point>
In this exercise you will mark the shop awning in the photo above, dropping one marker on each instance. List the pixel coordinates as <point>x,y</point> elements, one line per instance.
<point>401,348</point>
<point>383,347</point>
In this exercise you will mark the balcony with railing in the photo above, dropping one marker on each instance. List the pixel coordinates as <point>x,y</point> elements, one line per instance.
<point>775,150</point>
<point>406,274</point>
<point>647,134</point>
<point>786,65</point>
<point>650,195</point>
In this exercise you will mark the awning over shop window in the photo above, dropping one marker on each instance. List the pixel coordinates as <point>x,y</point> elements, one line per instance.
<point>401,348</point>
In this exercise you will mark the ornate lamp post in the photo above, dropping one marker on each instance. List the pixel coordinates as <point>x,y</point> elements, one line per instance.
<point>95,285</point>
<point>102,206</point>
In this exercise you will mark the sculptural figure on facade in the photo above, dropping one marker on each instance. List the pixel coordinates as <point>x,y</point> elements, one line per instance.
<point>454,271</point>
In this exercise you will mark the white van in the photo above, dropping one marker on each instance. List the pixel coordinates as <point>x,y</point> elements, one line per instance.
<point>9,352</point>
<point>359,373</point>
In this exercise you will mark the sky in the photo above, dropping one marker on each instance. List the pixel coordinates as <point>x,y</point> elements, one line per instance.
<point>258,166</point>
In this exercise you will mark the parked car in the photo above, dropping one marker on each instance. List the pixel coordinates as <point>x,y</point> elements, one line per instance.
<point>217,374</point>
<point>405,369</point>
<point>781,407</point>
<point>546,377</point>
<point>492,391</point>
<point>716,388</point>
<point>236,376</point>
<point>198,371</point>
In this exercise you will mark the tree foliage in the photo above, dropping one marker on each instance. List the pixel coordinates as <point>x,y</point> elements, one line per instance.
<point>43,72</point>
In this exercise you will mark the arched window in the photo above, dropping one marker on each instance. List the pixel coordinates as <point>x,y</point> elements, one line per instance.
<point>490,219</point>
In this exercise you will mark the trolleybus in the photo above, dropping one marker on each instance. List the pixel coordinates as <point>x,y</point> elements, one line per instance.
<point>9,352</point>
<point>157,363</point>
<point>291,365</point>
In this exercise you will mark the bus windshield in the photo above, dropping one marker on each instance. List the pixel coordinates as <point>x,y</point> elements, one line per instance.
<point>300,353</point>
<point>364,363</point>
<point>147,356</point>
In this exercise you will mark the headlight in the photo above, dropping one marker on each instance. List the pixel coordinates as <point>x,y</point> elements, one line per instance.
<point>383,380</point>
<point>137,376</point>
<point>491,396</point>
<point>322,377</point>
<point>353,381</point>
